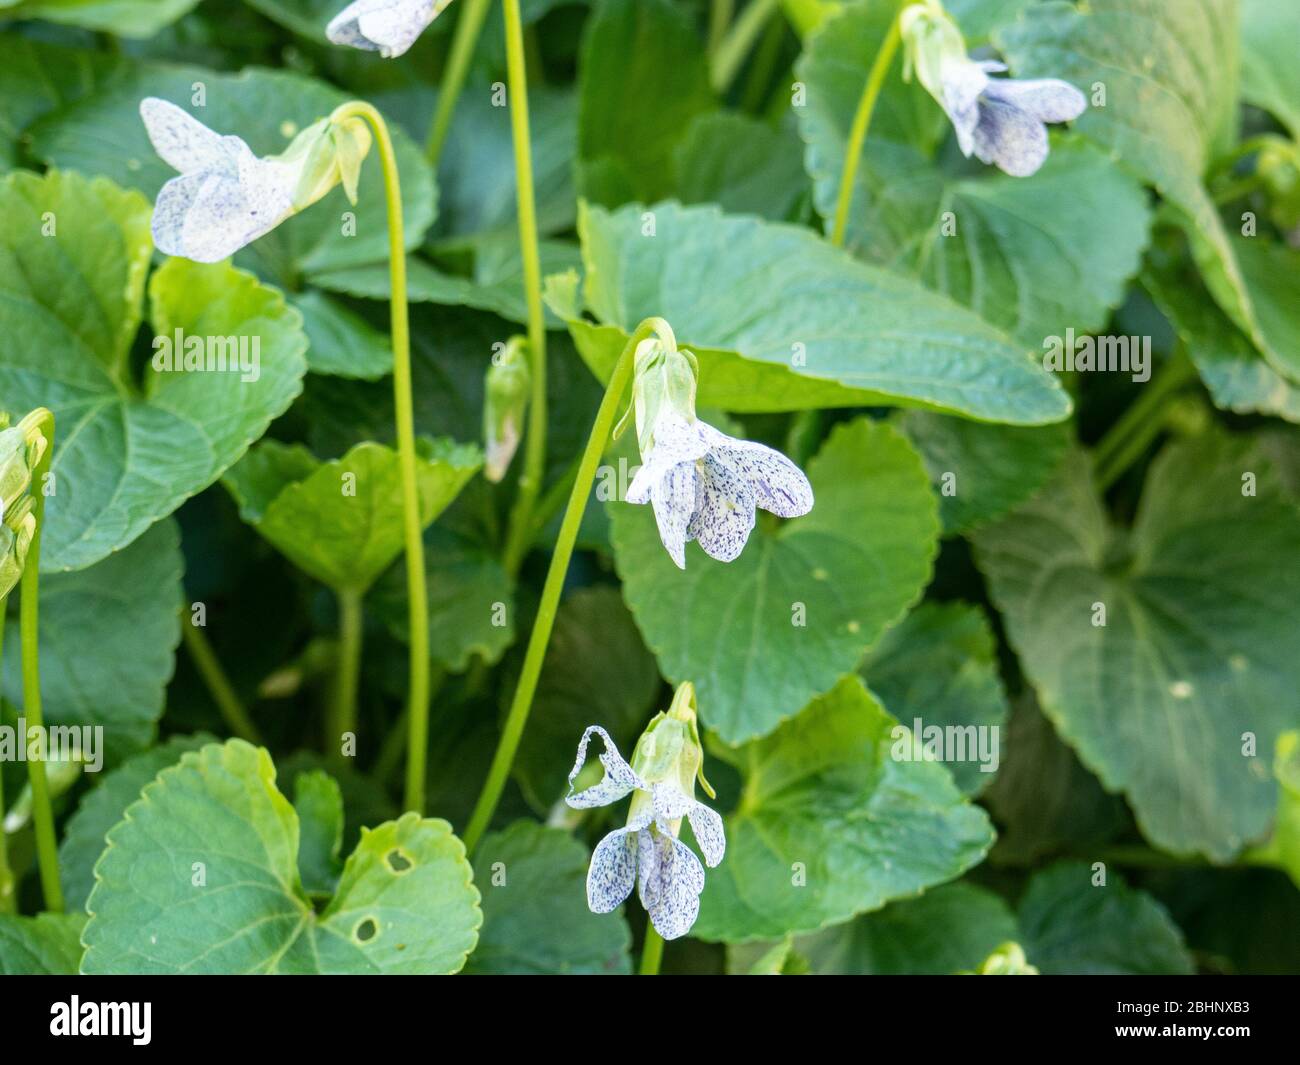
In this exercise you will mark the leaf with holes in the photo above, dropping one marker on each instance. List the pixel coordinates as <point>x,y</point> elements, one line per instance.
<point>761,636</point>
<point>201,876</point>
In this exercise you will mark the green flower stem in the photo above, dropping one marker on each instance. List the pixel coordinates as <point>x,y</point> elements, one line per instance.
<point>343,716</point>
<point>858,131</point>
<point>463,43</point>
<point>416,593</point>
<point>218,684</point>
<point>47,851</point>
<point>8,903</point>
<point>519,537</point>
<point>1132,434</point>
<point>652,952</point>
<point>763,68</point>
<point>735,46</point>
<point>550,601</point>
<point>720,13</point>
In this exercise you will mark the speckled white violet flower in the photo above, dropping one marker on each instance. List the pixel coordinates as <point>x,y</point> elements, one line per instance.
<point>1001,120</point>
<point>702,484</point>
<point>388,27</point>
<point>665,765</point>
<point>226,197</point>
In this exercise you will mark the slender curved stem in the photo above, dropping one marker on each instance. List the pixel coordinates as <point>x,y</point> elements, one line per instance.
<point>519,537</point>
<point>858,131</point>
<point>517,718</point>
<point>735,46</point>
<point>652,952</point>
<point>47,851</point>
<point>7,901</point>
<point>343,717</point>
<point>762,69</point>
<point>468,27</point>
<point>416,593</point>
<point>218,684</point>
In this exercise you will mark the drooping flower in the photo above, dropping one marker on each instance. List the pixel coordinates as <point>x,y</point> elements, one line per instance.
<point>1002,121</point>
<point>388,27</point>
<point>226,197</point>
<point>646,852</point>
<point>703,484</point>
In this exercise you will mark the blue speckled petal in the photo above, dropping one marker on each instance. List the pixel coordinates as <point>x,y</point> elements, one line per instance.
<point>388,27</point>
<point>183,142</point>
<point>1010,138</point>
<point>675,498</point>
<point>962,83</point>
<point>725,514</point>
<point>777,484</point>
<point>709,832</point>
<point>675,440</point>
<point>619,778</point>
<point>671,879</point>
<point>612,872</point>
<point>1046,99</point>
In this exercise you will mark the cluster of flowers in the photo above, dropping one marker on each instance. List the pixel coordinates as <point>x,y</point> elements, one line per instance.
<point>702,484</point>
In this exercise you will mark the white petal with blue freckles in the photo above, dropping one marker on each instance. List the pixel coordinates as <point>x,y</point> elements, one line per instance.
<point>1012,139</point>
<point>709,832</point>
<point>388,27</point>
<point>1046,99</point>
<point>612,872</point>
<point>778,485</point>
<point>963,82</point>
<point>725,516</point>
<point>674,500</point>
<point>675,441</point>
<point>619,778</point>
<point>671,879</point>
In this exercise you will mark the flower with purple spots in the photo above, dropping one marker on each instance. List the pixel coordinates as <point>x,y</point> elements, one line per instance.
<point>226,197</point>
<point>703,484</point>
<point>1002,121</point>
<point>646,853</point>
<point>388,27</point>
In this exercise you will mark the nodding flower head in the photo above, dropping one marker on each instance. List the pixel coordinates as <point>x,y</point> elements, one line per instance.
<point>226,197</point>
<point>703,484</point>
<point>1001,120</point>
<point>646,853</point>
<point>388,27</point>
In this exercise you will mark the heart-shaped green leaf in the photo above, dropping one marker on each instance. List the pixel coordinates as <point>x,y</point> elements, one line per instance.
<point>938,666</point>
<point>102,808</point>
<point>108,641</point>
<point>130,18</point>
<point>128,449</point>
<point>1071,924</point>
<point>342,522</point>
<point>761,636</point>
<point>1162,653</point>
<point>201,875</point>
<point>830,824</point>
<point>46,945</point>
<point>535,916</point>
<point>782,320</point>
